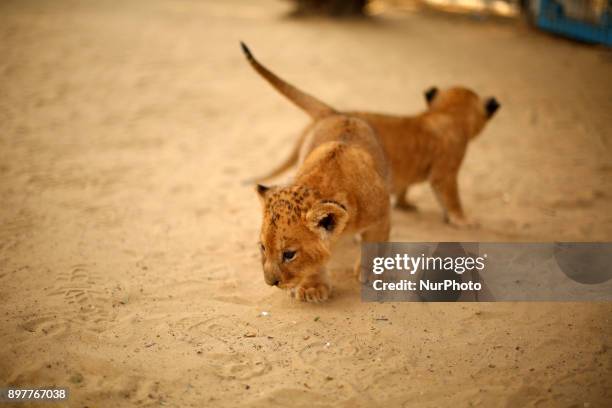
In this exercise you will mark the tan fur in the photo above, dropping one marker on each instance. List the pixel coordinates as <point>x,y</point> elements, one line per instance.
<point>431,146</point>
<point>343,180</point>
<point>426,147</point>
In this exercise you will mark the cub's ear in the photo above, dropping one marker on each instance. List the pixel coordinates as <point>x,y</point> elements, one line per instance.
<point>327,218</point>
<point>491,106</point>
<point>261,192</point>
<point>430,94</point>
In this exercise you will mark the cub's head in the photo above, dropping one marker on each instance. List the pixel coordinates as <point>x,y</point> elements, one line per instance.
<point>297,230</point>
<point>469,109</point>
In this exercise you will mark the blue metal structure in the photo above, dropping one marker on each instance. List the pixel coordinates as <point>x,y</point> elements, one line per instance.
<point>552,17</point>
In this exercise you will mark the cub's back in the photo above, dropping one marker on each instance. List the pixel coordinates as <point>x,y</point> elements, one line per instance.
<point>343,139</point>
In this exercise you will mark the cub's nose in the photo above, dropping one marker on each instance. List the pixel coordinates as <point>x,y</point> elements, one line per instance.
<point>272,281</point>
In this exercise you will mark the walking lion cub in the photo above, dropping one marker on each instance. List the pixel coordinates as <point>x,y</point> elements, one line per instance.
<point>342,186</point>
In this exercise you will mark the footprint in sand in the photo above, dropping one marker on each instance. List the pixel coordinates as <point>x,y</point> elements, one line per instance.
<point>240,366</point>
<point>89,301</point>
<point>329,354</point>
<point>332,359</point>
<point>223,328</point>
<point>218,334</point>
<point>50,324</point>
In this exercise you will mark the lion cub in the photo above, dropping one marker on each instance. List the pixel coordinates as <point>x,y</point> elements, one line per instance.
<point>429,146</point>
<point>341,187</point>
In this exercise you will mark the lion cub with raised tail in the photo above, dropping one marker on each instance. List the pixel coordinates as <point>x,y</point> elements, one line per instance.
<point>341,187</point>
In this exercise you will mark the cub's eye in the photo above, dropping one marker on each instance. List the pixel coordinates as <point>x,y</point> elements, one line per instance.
<point>262,248</point>
<point>288,256</point>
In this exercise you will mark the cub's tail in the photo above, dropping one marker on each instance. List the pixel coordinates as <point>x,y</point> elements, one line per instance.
<point>290,161</point>
<point>311,105</point>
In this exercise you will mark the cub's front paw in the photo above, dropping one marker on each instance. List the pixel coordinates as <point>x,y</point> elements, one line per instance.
<point>317,292</point>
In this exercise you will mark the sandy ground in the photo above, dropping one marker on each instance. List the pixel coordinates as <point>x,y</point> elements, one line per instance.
<point>129,270</point>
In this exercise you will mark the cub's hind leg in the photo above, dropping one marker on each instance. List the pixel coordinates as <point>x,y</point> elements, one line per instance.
<point>447,192</point>
<point>401,199</point>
